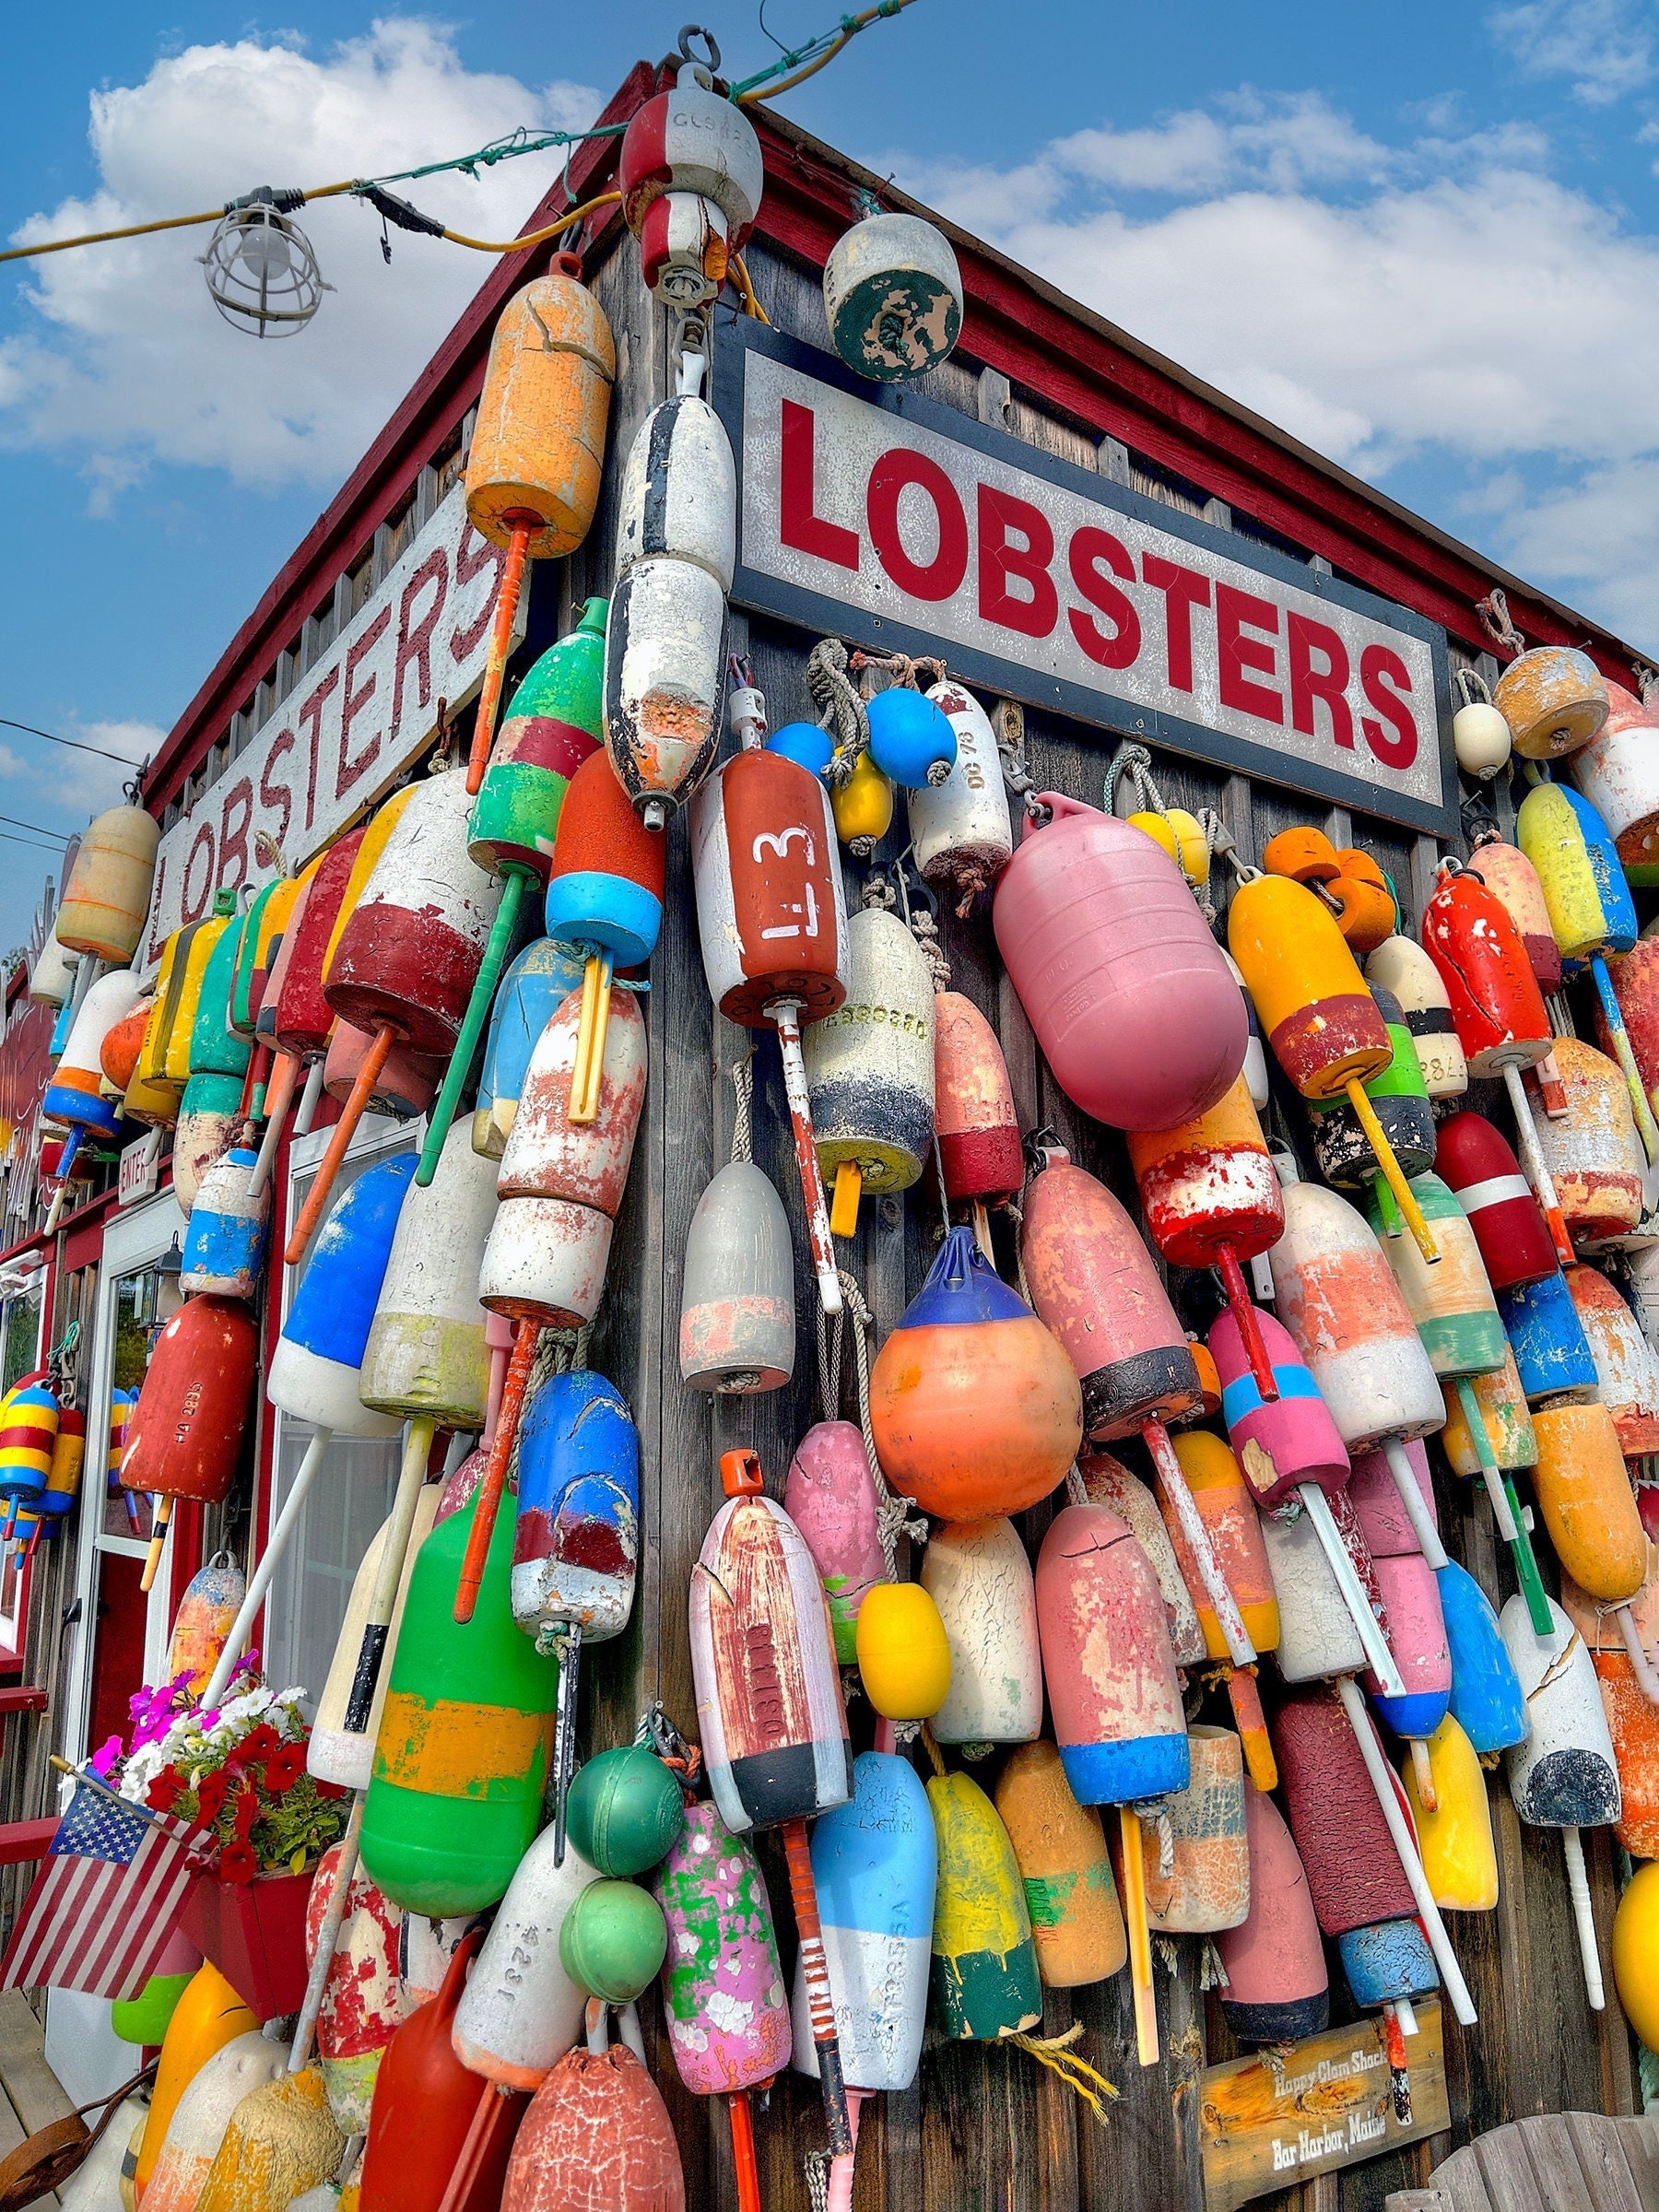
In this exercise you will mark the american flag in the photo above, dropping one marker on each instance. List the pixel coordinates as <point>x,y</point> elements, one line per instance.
<point>105,1902</point>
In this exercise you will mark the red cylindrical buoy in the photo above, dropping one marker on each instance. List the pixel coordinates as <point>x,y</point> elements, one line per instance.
<point>184,1438</point>
<point>975,1125</point>
<point>1278,1988</point>
<point>1475,1162</point>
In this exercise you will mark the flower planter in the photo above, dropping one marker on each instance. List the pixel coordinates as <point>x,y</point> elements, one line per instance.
<point>254,1933</point>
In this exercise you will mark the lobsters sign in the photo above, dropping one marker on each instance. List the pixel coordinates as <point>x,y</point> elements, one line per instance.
<point>888,518</point>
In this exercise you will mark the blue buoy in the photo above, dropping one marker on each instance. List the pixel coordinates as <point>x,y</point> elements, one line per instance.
<point>911,739</point>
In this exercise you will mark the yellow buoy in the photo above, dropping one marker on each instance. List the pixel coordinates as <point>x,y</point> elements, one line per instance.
<point>281,2141</point>
<point>1076,1923</point>
<point>1636,1953</point>
<point>207,2017</point>
<point>1181,837</point>
<point>1455,1839</point>
<point>903,1651</point>
<point>863,805</point>
<point>107,897</point>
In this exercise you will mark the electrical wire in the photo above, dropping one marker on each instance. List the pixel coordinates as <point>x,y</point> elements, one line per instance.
<point>39,829</point>
<point>75,744</point>
<point>751,304</point>
<point>816,54</point>
<point>535,238</point>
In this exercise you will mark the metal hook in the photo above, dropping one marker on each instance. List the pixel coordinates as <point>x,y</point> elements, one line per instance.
<point>699,30</point>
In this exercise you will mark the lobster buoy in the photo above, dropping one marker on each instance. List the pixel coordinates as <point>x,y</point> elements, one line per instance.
<point>984,1963</point>
<point>960,828</point>
<point>1060,1847</point>
<point>1399,1098</point>
<point>893,294</point>
<point>521,2010</point>
<point>1400,966</point>
<point>1514,882</point>
<point>201,2117</point>
<point>335,1752</point>
<point>1616,773</point>
<point>870,1068</point>
<point>975,1408</point>
<point>737,1313</point>
<point>1593,1152</point>
<point>425,2097</point>
<point>1552,1354</point>
<point>1554,699</point>
<point>613,1940</point>
<point>1106,1481</point>
<point>51,978</point>
<point>1206,1885</point>
<point>1480,735</point>
<point>106,901</point>
<point>596,2098</point>
<point>1277,1989</point>
<point>224,1239</point>
<point>405,1086</point>
<point>976,1128</point>
<point>911,739</point>
<point>904,1652</point>
<point>208,2016</point>
<point>209,1605</point>
<point>538,437</point>
<point>691,177</point>
<point>1483,1174</point>
<point>531,991</point>
<point>830,1494</point>
<point>1487,1702</point>
<point>1101,937</point>
<point>1625,1371</point>
<point>1502,1408</point>
<point>360,2012</point>
<point>626,1810</point>
<point>1635,1941</point>
<point>185,1434</point>
<point>1454,1837</point>
<point>978,1576</point>
<point>724,2001</point>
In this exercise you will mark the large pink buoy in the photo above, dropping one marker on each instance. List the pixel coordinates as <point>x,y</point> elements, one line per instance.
<point>1131,997</point>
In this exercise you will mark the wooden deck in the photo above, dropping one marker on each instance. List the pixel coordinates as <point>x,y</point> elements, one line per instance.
<point>1556,2162</point>
<point>33,2095</point>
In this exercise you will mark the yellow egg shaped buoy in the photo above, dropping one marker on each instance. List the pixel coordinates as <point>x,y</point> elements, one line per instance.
<point>863,805</point>
<point>1181,837</point>
<point>1636,1952</point>
<point>1455,1839</point>
<point>207,2017</point>
<point>903,1651</point>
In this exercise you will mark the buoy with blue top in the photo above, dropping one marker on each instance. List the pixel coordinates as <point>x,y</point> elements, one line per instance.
<point>1552,1353</point>
<point>74,1096</point>
<point>537,984</point>
<point>224,1239</point>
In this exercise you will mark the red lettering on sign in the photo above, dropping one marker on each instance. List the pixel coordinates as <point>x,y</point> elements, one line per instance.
<point>1236,613</point>
<point>1303,639</point>
<point>414,639</point>
<point>1381,666</point>
<point>192,908</point>
<point>234,843</point>
<point>352,704</point>
<point>1090,553</point>
<point>1183,589</point>
<point>944,573</point>
<point>468,564</point>
<point>1001,558</point>
<point>278,796</point>
<point>311,711</point>
<point>799,523</point>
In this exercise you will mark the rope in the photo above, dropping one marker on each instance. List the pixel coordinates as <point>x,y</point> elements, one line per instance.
<point>893,1510</point>
<point>1054,2052</point>
<point>1134,761</point>
<point>818,2180</point>
<point>743,1129</point>
<point>1495,620</point>
<point>839,708</point>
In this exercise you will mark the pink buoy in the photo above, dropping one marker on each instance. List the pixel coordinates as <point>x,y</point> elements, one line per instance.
<point>831,1496</point>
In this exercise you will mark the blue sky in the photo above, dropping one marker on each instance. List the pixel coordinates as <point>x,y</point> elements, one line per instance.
<point>1424,237</point>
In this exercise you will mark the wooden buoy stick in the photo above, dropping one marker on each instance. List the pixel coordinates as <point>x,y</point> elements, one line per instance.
<point>1173,1484</point>
<point>71,1146</point>
<point>743,2151</point>
<point>814,1973</point>
<point>305,2025</point>
<point>1415,1504</point>
<point>495,1472</point>
<point>501,644</point>
<point>1375,1644</point>
<point>287,1520</point>
<point>1140,1937</point>
<point>311,1097</point>
<point>1244,1313</point>
<point>1423,1773</point>
<point>1536,1167</point>
<point>843,1206</point>
<point>472,1027</point>
<point>591,1030</point>
<point>1434,1927</point>
<point>1613,1013</point>
<point>1511,1526</point>
<point>340,1140</point>
<point>1641,1666</point>
<point>784,1011</point>
<point>279,1097</point>
<point>382,1600</point>
<point>152,1559</point>
<point>1244,1695</point>
<point>1578,1889</point>
<point>1393,1174</point>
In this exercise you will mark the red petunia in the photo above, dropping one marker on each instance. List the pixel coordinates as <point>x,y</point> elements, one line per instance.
<point>331,1789</point>
<point>283,1768</point>
<point>247,1810</point>
<point>166,1790</point>
<point>259,1743</point>
<point>211,1792</point>
<point>237,1862</point>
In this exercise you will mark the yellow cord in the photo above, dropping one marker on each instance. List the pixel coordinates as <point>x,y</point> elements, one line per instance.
<point>537,238</point>
<point>751,304</point>
<point>170,222</point>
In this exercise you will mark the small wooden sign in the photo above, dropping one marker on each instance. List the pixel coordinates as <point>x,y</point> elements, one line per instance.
<point>1280,2117</point>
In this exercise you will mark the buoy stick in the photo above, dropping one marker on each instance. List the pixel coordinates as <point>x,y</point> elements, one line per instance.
<point>305,2026</point>
<point>1537,1172</point>
<point>311,1097</point>
<point>472,1028</point>
<point>340,1140</point>
<point>1505,1510</point>
<point>1392,1223</point>
<point>1378,1141</point>
<point>844,1207</point>
<point>982,1231</point>
<point>495,1472</point>
<point>1393,2044</point>
<point>591,1030</point>
<point>568,1645</point>
<point>1647,1681</point>
<point>1173,1484</point>
<point>382,1601</point>
<point>492,2100</point>
<point>1244,1313</point>
<point>1244,1695</point>
<point>783,1012</point>
<point>743,2152</point>
<point>841,2169</point>
<point>152,1559</point>
<point>814,1973</point>
<point>1140,1937</point>
<point>279,1097</point>
<point>1434,1927</point>
<point>1415,1504</point>
<point>1424,1772</point>
<point>501,644</point>
<point>259,1581</point>
<point>1578,1889</point>
<point>71,1146</point>
<point>1354,1597</point>
<point>1613,1013</point>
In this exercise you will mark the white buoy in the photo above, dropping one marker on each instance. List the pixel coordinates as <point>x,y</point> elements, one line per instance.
<point>978,1576</point>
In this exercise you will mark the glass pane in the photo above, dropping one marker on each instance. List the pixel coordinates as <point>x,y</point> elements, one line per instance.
<point>146,1302</point>
<point>348,1498</point>
<point>22,1333</point>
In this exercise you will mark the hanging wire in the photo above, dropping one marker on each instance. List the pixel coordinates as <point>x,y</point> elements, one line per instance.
<point>782,75</point>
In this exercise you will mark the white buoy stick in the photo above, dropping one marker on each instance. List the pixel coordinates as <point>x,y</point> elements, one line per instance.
<point>308,1098</point>
<point>1415,1504</point>
<point>1371,1639</point>
<point>1578,1889</point>
<point>259,1581</point>
<point>1173,1484</point>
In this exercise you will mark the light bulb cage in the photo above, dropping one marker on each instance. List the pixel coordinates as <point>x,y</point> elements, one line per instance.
<point>272,294</point>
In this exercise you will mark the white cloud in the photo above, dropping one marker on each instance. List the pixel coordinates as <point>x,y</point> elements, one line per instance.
<point>116,357</point>
<point>1605,46</point>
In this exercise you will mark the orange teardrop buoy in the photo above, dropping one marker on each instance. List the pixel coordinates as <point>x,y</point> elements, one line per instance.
<point>596,2138</point>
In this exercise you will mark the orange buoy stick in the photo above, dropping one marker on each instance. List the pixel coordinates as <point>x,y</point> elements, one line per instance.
<point>345,1129</point>
<point>1244,1313</point>
<point>522,523</point>
<point>524,1344</point>
<point>1140,1937</point>
<point>1245,1698</point>
<point>814,1973</point>
<point>743,2150</point>
<point>152,1559</point>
